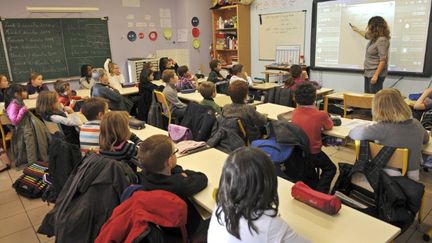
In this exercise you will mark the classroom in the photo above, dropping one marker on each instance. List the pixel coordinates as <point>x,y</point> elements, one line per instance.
<point>215,121</point>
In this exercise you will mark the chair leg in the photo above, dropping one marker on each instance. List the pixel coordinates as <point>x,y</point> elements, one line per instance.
<point>428,235</point>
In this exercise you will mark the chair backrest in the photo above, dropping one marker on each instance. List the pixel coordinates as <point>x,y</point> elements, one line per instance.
<point>399,159</point>
<point>53,127</point>
<point>243,131</point>
<point>4,120</point>
<point>357,101</point>
<point>163,105</point>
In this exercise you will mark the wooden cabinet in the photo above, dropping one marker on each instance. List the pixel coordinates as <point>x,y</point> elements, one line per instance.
<point>231,35</point>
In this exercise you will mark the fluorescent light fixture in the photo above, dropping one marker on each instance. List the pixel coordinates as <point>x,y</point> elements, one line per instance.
<point>61,9</point>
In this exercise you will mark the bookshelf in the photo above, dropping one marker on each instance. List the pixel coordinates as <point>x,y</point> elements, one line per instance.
<point>231,35</point>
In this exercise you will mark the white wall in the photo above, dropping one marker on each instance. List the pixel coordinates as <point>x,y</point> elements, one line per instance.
<point>340,81</point>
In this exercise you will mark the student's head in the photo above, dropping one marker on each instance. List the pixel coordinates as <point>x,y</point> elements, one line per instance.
<point>157,153</point>
<point>238,91</point>
<point>62,87</point>
<point>183,71</point>
<point>289,81</point>
<point>215,65</point>
<point>169,76</point>
<point>114,130</point>
<point>388,105</point>
<point>296,71</point>
<point>146,75</point>
<point>247,187</point>
<point>4,82</point>
<point>207,89</point>
<point>377,27</point>
<point>94,108</point>
<point>113,68</point>
<point>15,91</point>
<point>36,79</point>
<point>165,62</point>
<point>237,69</point>
<point>305,94</point>
<point>100,75</point>
<point>86,70</point>
<point>47,103</point>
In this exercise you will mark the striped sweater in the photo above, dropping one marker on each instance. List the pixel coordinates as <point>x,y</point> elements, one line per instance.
<point>89,136</point>
<point>126,152</point>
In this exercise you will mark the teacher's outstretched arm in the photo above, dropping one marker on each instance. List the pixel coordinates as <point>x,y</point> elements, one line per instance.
<point>357,30</point>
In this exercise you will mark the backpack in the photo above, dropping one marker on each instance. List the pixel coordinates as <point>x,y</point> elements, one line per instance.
<point>426,120</point>
<point>179,133</point>
<point>278,153</point>
<point>30,184</point>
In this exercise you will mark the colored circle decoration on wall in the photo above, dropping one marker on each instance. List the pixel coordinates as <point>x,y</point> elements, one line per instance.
<point>153,35</point>
<point>131,36</point>
<point>167,33</point>
<point>195,32</point>
<point>195,21</point>
<point>141,35</point>
<point>196,43</point>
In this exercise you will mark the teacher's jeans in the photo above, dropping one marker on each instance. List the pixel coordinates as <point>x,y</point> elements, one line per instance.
<point>373,88</point>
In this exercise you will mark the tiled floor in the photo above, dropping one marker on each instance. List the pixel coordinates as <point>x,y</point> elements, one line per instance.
<point>20,217</point>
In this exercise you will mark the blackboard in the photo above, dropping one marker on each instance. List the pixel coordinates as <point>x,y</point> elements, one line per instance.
<point>55,47</point>
<point>3,64</point>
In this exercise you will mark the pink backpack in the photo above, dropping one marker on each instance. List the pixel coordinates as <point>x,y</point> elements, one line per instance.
<point>179,133</point>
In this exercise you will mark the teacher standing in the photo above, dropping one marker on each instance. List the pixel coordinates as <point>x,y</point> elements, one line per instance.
<point>377,52</point>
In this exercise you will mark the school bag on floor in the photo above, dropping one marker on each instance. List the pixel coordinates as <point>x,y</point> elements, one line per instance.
<point>31,184</point>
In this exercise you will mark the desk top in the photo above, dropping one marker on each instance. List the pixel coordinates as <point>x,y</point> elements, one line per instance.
<point>148,131</point>
<point>324,91</point>
<point>273,110</point>
<point>265,86</point>
<point>220,99</point>
<point>348,226</point>
<point>339,95</point>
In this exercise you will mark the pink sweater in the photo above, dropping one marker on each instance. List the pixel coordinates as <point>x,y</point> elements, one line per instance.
<point>16,112</point>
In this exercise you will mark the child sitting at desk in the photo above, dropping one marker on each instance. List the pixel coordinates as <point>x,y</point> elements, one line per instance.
<point>14,103</point>
<point>167,63</point>
<point>116,78</point>
<point>186,80</point>
<point>177,107</point>
<point>4,84</point>
<point>35,85</point>
<point>252,120</point>
<point>313,121</point>
<point>48,107</point>
<point>86,81</point>
<point>157,155</point>
<point>216,77</point>
<point>93,109</point>
<point>238,74</point>
<point>298,74</point>
<point>65,93</point>
<point>394,127</point>
<point>208,92</point>
<point>242,215</point>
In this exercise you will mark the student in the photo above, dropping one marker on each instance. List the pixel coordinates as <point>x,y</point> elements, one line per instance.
<point>424,103</point>
<point>14,103</point>
<point>167,63</point>
<point>394,127</point>
<point>64,92</point>
<point>48,107</point>
<point>104,90</point>
<point>186,80</point>
<point>215,68</point>
<point>4,84</point>
<point>35,85</point>
<point>177,107</point>
<point>93,109</point>
<point>116,140</point>
<point>238,74</point>
<point>298,74</point>
<point>242,215</point>
<point>157,156</point>
<point>116,78</point>
<point>146,88</point>
<point>313,121</point>
<point>86,81</point>
<point>208,92</point>
<point>253,121</point>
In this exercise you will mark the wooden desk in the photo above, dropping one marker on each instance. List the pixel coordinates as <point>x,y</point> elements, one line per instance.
<point>343,130</point>
<point>264,86</point>
<point>220,99</point>
<point>348,226</point>
<point>340,96</point>
<point>324,91</point>
<point>273,110</point>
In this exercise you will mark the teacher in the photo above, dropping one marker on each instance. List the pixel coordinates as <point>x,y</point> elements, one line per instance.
<point>377,51</point>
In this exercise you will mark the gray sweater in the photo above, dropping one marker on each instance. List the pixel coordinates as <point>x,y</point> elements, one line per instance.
<point>408,134</point>
<point>170,93</point>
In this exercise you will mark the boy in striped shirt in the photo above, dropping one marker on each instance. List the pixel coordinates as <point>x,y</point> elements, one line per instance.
<point>93,109</point>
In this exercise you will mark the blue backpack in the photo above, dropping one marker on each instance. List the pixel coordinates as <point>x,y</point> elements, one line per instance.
<point>278,153</point>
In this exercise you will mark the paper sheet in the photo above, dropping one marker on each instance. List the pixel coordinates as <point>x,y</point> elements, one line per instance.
<point>165,23</point>
<point>130,17</point>
<point>165,13</point>
<point>140,24</point>
<point>357,122</point>
<point>130,24</point>
<point>131,3</point>
<point>147,17</point>
<point>182,35</point>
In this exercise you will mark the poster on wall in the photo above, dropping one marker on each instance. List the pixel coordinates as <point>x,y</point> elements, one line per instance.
<point>131,3</point>
<point>182,35</point>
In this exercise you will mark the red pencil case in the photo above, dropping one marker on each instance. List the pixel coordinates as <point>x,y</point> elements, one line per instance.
<point>327,203</point>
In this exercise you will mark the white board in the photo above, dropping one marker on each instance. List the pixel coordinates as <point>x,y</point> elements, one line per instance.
<point>281,29</point>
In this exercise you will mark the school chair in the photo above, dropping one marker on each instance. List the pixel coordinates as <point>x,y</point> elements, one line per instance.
<point>163,106</point>
<point>357,101</point>
<point>53,127</point>
<point>4,120</point>
<point>243,132</point>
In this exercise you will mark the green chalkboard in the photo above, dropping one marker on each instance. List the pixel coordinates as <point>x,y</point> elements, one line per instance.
<point>55,48</point>
<point>3,63</point>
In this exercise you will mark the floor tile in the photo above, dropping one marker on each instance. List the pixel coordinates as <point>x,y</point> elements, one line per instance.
<point>14,224</point>
<point>5,184</point>
<point>4,175</point>
<point>25,236</point>
<point>407,234</point>
<point>8,196</point>
<point>14,174</point>
<point>11,209</point>
<point>32,203</point>
<point>36,215</point>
